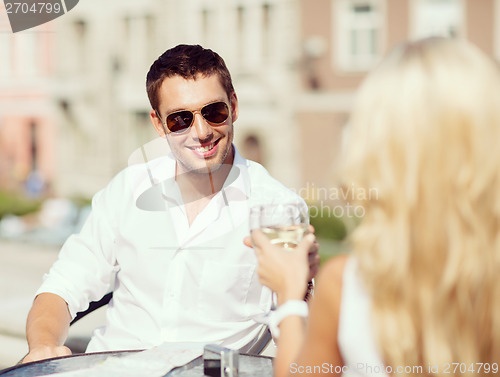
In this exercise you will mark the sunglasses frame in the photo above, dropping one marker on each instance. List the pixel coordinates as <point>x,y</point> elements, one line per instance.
<point>193,112</point>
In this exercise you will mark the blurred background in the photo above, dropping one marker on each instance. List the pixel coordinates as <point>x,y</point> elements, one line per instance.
<point>73,105</point>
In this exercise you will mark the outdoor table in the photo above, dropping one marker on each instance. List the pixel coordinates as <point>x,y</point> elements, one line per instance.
<point>249,365</point>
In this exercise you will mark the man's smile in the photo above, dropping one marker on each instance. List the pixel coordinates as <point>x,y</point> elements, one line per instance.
<point>205,150</point>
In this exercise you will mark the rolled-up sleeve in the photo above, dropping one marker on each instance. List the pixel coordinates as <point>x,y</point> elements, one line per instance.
<point>86,262</point>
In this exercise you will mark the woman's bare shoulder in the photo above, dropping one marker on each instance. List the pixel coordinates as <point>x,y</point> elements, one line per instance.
<point>333,268</point>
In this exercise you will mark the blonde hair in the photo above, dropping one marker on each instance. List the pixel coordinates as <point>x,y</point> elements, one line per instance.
<point>425,135</point>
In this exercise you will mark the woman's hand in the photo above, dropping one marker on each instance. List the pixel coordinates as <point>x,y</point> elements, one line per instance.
<point>313,255</point>
<point>285,271</point>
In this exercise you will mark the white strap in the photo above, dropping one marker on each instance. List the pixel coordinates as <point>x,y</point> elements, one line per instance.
<point>291,307</point>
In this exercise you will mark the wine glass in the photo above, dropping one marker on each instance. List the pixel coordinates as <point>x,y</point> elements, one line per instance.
<point>284,224</point>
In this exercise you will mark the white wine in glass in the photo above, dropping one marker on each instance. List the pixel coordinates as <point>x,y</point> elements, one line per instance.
<point>284,224</point>
<point>287,236</point>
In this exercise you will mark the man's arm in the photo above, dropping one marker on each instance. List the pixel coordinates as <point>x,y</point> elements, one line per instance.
<point>47,328</point>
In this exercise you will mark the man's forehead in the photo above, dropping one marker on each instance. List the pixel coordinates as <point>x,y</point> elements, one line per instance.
<point>178,93</point>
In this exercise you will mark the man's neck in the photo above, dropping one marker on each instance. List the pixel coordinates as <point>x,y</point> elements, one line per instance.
<point>198,188</point>
<point>198,185</point>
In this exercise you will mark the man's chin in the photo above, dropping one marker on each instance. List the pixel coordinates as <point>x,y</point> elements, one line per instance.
<point>219,163</point>
<point>210,168</point>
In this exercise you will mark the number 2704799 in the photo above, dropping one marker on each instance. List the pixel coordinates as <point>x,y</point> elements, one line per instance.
<point>479,368</point>
<point>36,8</point>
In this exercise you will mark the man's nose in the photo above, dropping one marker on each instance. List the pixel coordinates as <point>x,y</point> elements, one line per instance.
<point>203,130</point>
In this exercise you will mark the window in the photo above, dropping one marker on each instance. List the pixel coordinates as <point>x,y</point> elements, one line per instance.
<point>150,34</point>
<point>267,29</point>
<point>27,58</point>
<point>34,145</point>
<point>5,54</point>
<point>497,29</point>
<point>437,18</point>
<point>80,27</point>
<point>358,33</point>
<point>252,149</point>
<point>209,26</point>
<point>142,119</point>
<point>240,29</point>
<point>80,30</point>
<point>205,21</point>
<point>126,27</point>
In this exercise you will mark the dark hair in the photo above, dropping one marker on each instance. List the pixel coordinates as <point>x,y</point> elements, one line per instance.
<point>186,61</point>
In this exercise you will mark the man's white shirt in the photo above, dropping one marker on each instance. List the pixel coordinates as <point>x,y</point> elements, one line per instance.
<point>174,282</point>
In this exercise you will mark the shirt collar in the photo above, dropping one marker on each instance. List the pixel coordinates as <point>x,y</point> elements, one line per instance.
<point>238,178</point>
<point>163,188</point>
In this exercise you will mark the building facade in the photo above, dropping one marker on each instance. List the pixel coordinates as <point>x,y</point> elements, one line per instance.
<point>103,56</point>
<point>344,39</point>
<point>27,129</point>
<point>73,103</point>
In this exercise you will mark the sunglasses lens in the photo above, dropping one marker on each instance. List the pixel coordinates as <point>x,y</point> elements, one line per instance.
<point>180,121</point>
<point>217,112</point>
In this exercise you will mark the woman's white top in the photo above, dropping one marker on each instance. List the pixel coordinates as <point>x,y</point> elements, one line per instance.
<point>356,337</point>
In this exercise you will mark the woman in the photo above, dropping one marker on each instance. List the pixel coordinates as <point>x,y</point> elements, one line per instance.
<point>420,292</point>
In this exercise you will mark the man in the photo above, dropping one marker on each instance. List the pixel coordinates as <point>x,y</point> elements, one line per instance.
<point>171,230</point>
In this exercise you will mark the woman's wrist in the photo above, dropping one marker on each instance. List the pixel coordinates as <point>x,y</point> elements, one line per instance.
<point>302,292</point>
<point>289,308</point>
<point>289,296</point>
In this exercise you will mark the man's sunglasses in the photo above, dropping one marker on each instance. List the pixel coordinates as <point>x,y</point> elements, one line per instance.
<point>214,113</point>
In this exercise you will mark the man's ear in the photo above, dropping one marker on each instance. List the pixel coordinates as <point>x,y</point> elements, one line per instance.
<point>158,125</point>
<point>234,106</point>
